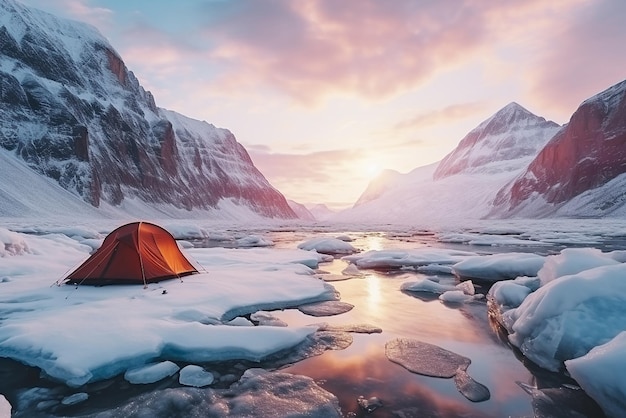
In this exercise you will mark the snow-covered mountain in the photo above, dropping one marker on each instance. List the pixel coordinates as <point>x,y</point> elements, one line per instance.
<point>581,171</point>
<point>504,142</point>
<point>73,112</point>
<point>321,212</point>
<point>301,211</point>
<point>463,185</point>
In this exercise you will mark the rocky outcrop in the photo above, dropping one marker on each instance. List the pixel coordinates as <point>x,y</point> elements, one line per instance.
<point>71,109</point>
<point>504,142</point>
<point>587,153</point>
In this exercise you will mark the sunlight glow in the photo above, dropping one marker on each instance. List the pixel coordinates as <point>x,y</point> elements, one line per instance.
<point>372,169</point>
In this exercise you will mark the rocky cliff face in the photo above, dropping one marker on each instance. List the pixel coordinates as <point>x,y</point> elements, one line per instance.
<point>585,154</point>
<point>71,109</point>
<point>504,142</point>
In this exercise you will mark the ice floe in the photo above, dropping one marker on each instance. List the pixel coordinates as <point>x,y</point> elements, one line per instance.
<point>499,266</point>
<point>431,360</point>
<point>151,373</point>
<point>326,308</point>
<point>195,376</point>
<point>397,259</point>
<point>327,245</point>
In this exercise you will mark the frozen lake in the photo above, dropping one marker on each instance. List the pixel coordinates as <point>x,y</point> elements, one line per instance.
<point>362,369</point>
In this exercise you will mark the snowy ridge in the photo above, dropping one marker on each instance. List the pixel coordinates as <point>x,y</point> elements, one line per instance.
<point>378,186</point>
<point>86,122</point>
<point>507,141</point>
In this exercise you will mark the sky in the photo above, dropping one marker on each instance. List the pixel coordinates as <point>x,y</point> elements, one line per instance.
<point>324,93</point>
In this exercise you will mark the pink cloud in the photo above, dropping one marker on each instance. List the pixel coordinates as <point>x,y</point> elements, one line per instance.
<point>584,57</point>
<point>438,116</point>
<point>313,48</point>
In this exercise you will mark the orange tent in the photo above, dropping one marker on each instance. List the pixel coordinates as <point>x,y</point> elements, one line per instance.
<point>139,252</point>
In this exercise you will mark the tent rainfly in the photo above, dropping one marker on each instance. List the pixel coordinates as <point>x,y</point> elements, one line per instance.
<point>136,253</point>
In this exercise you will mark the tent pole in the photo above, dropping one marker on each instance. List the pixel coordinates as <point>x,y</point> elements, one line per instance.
<point>143,273</point>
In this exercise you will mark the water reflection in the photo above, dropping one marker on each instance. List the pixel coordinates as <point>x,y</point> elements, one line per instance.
<point>374,297</point>
<point>367,372</point>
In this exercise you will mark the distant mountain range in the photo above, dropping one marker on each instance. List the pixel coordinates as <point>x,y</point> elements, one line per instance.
<point>514,164</point>
<point>73,112</point>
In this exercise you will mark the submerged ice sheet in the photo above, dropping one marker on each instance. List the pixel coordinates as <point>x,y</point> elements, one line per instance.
<point>84,334</point>
<point>423,358</point>
<point>431,360</point>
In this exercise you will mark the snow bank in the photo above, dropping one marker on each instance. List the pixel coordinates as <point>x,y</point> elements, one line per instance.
<point>84,334</point>
<point>499,266</point>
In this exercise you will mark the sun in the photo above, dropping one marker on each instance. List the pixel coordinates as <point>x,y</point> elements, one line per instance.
<point>372,169</point>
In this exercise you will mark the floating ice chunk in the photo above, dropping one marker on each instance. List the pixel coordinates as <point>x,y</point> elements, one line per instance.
<point>427,286</point>
<point>5,407</point>
<point>470,388</point>
<point>396,259</point>
<point>499,266</point>
<point>75,398</point>
<point>327,246</point>
<point>195,376</point>
<point>455,296</point>
<point>602,374</point>
<point>327,308</point>
<point>352,270</point>
<point>345,238</point>
<point>572,261</point>
<point>566,318</point>
<point>466,287</point>
<point>508,293</point>
<point>434,269</point>
<point>369,405</point>
<point>423,358</point>
<point>254,241</point>
<point>151,373</point>
<point>357,328</point>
